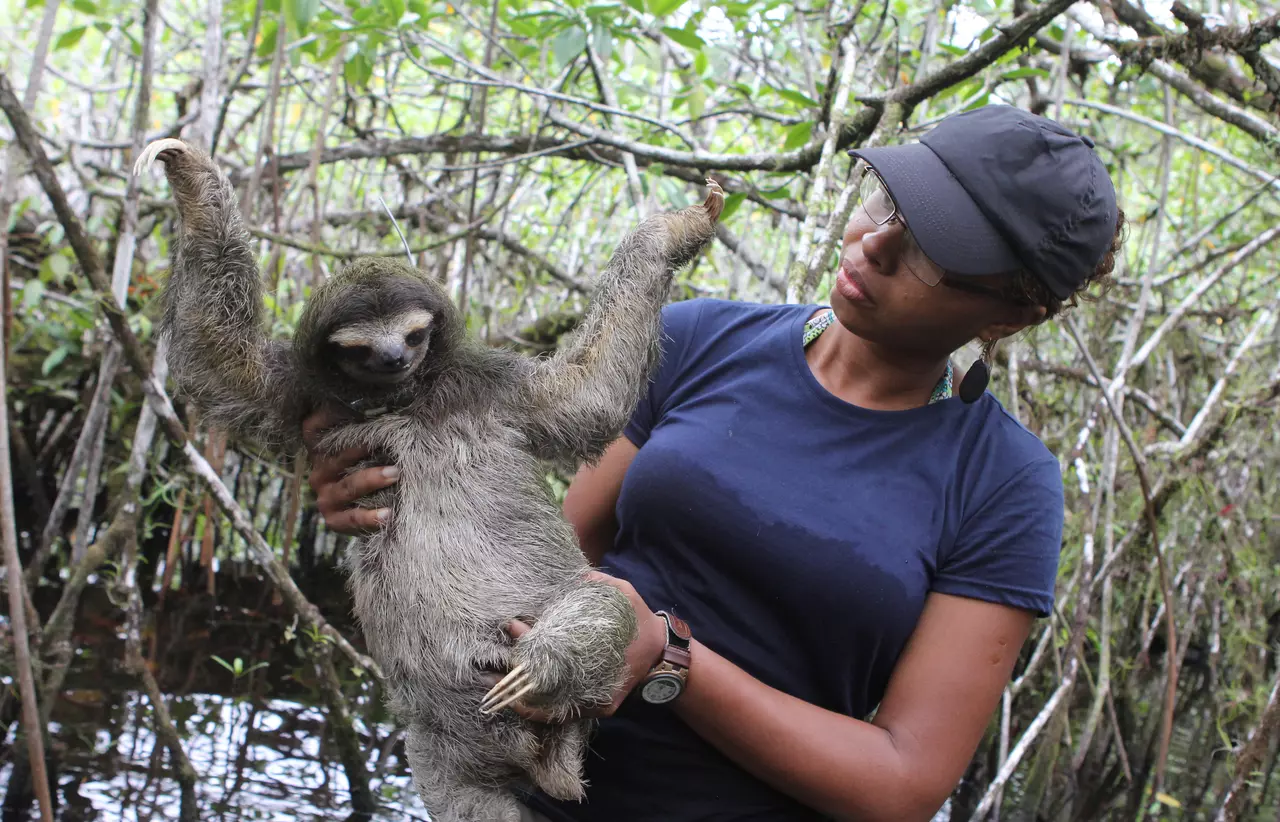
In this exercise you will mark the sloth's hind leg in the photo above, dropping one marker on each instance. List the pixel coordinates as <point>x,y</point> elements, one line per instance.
<point>558,768</point>
<point>440,766</point>
<point>574,656</point>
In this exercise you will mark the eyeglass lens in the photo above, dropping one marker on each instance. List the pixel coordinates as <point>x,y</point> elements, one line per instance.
<point>880,207</point>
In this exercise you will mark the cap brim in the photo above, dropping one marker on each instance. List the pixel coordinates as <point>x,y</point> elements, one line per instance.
<point>944,219</point>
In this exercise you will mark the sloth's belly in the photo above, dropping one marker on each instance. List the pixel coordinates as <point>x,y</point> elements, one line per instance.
<point>476,533</point>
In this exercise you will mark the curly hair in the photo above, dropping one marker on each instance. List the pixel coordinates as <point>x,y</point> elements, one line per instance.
<point>1027,286</point>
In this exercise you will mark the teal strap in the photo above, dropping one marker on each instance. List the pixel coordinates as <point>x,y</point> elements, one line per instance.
<point>816,325</point>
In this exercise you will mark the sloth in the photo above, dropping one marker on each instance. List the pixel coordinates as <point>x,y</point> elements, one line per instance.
<point>475,539</point>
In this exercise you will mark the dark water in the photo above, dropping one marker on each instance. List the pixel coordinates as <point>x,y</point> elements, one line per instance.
<point>267,759</point>
<point>259,742</point>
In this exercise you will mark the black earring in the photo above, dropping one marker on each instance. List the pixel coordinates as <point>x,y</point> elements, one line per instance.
<point>979,374</point>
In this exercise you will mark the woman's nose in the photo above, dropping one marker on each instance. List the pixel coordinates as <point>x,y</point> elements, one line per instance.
<point>880,245</point>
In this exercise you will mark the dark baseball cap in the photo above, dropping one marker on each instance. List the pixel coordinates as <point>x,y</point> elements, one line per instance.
<point>998,189</point>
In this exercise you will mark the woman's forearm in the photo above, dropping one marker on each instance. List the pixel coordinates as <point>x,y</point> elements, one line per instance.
<point>840,766</point>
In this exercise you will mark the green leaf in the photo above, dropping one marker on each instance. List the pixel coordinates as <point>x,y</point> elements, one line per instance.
<point>525,27</point>
<point>661,8</point>
<point>1018,74</point>
<point>56,356</point>
<point>84,7</point>
<point>394,7</point>
<point>731,203</point>
<point>697,101</point>
<point>301,12</point>
<point>568,44</point>
<point>602,42</point>
<point>684,37</point>
<point>700,63</point>
<point>69,38</point>
<point>268,44</point>
<point>798,135</point>
<point>776,194</point>
<point>796,97</point>
<point>31,294</point>
<point>331,46</point>
<point>979,103</point>
<point>59,267</point>
<point>638,5</point>
<point>358,70</point>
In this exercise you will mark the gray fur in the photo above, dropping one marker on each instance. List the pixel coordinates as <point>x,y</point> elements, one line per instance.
<point>475,538</point>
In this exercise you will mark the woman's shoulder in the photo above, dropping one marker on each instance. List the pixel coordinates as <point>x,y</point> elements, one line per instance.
<point>717,316</point>
<point>1004,458</point>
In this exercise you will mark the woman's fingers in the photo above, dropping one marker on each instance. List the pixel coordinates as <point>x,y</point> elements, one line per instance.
<point>357,522</point>
<point>335,498</point>
<point>326,470</point>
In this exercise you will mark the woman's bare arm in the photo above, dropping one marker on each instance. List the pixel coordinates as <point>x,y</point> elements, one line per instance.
<point>903,764</point>
<point>592,498</point>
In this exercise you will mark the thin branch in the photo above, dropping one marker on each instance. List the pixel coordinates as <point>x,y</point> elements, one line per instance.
<point>1139,464</point>
<point>812,252</point>
<point>31,724</point>
<point>1142,398</point>
<point>1198,428</point>
<point>1225,156</point>
<point>1175,316</point>
<point>1250,756</point>
<point>1024,743</point>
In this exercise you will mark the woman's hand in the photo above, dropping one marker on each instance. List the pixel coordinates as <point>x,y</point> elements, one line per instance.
<point>336,493</point>
<point>642,654</point>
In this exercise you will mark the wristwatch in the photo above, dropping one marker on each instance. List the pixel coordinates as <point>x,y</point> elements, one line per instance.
<point>666,680</point>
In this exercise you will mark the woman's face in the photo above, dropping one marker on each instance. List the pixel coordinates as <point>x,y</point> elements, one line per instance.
<point>881,295</point>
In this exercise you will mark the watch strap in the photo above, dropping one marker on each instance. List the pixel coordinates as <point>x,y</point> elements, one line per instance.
<point>676,651</point>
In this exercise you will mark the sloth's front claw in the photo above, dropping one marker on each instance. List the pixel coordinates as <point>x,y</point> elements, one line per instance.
<point>510,688</point>
<point>153,150</point>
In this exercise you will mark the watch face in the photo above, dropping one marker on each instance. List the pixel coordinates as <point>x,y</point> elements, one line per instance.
<point>662,688</point>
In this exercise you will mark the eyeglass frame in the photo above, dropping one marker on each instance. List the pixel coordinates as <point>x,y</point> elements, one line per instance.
<point>909,239</point>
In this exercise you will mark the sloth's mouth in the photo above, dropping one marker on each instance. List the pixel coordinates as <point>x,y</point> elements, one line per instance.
<point>381,375</point>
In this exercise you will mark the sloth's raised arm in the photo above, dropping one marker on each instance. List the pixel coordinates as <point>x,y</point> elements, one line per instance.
<point>219,354</point>
<point>576,402</point>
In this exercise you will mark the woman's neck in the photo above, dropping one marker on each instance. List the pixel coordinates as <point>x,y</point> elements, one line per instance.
<point>866,375</point>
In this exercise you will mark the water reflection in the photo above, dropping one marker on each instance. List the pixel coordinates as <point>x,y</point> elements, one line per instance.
<point>255,760</point>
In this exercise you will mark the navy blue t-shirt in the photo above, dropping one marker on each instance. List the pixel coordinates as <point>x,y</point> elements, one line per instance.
<point>799,535</point>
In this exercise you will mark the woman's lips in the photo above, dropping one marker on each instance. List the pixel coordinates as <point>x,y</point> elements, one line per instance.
<point>851,285</point>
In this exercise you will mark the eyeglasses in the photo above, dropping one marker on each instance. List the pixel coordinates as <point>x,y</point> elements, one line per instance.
<point>878,204</point>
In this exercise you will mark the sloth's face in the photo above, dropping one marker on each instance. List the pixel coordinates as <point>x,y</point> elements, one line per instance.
<point>384,351</point>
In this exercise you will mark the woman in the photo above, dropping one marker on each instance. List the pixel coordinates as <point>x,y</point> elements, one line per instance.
<point>859,552</point>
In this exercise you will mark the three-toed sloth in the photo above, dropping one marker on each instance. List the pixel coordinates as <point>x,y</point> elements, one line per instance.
<point>475,539</point>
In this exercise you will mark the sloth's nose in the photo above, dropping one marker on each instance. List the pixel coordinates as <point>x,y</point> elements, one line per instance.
<point>390,358</point>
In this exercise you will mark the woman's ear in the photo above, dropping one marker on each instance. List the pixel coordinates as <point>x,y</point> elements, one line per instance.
<point>1020,317</point>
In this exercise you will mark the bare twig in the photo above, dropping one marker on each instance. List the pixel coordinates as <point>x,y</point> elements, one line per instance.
<point>31,724</point>
<point>1223,155</point>
<point>1250,755</point>
<point>1139,464</point>
<point>1197,429</point>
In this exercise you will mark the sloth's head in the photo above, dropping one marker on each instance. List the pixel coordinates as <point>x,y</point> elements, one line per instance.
<point>375,324</point>
<point>382,351</point>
